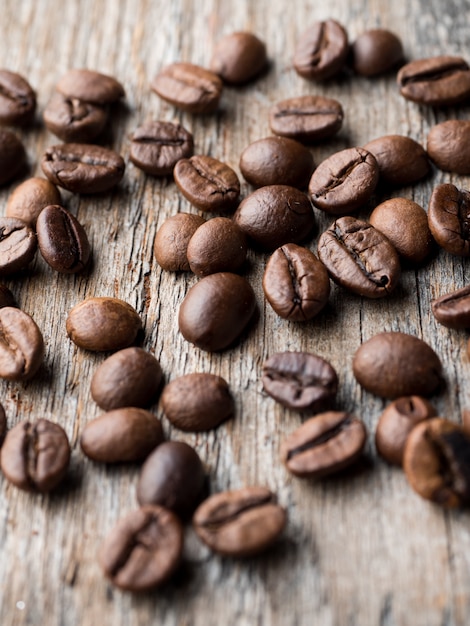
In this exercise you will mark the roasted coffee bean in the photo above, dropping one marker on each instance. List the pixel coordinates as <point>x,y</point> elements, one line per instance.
<point>216,311</point>
<point>172,476</point>
<point>123,435</point>
<point>156,147</point>
<point>130,377</point>
<point>321,51</point>
<point>35,455</point>
<point>188,87</point>
<point>300,381</point>
<point>376,52</point>
<point>275,215</point>
<point>405,224</point>
<point>307,118</point>
<point>238,58</point>
<point>207,183</point>
<point>143,550</point>
<point>401,160</point>
<point>277,161</point>
<point>29,199</point>
<point>437,462</point>
<point>449,146</point>
<point>62,240</point>
<point>358,257</point>
<point>101,324</point>
<point>197,402</point>
<point>17,99</point>
<point>21,345</point>
<point>296,283</point>
<point>449,218</point>
<point>82,168</point>
<point>438,81</point>
<point>218,245</point>
<point>74,120</point>
<point>396,423</point>
<point>90,86</point>
<point>393,364</point>
<point>3,424</point>
<point>18,245</point>
<point>12,155</point>
<point>6,297</point>
<point>324,444</point>
<point>171,241</point>
<point>453,309</point>
<point>240,523</point>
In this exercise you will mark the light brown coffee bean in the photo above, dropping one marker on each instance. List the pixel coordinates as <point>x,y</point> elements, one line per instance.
<point>21,345</point>
<point>171,241</point>
<point>218,245</point>
<point>30,198</point>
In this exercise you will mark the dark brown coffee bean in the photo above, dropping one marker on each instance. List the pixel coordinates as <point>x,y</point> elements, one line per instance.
<point>449,146</point>
<point>218,245</point>
<point>171,241</point>
<point>156,147</point>
<point>197,402</point>
<point>277,161</point>
<point>101,324</point>
<point>173,476</point>
<point>344,181</point>
<point>12,155</point>
<point>296,283</point>
<point>275,215</point>
<point>121,436</point>
<point>82,168</point>
<point>393,364</point>
<point>188,87</point>
<point>324,444</point>
<point>376,52</point>
<point>240,523</point>
<point>3,424</point>
<point>401,160</point>
<point>307,118</point>
<point>62,240</point>
<point>6,297</point>
<point>143,550</point>
<point>238,58</point>
<point>74,120</point>
<point>35,455</point>
<point>21,345</point>
<point>17,99</point>
<point>18,245</point>
<point>207,183</point>
<point>358,257</point>
<point>438,81</point>
<point>453,309</point>
<point>321,51</point>
<point>396,423</point>
<point>437,462</point>
<point>130,377</point>
<point>216,311</point>
<point>29,199</point>
<point>90,86</point>
<point>300,381</point>
<point>449,218</point>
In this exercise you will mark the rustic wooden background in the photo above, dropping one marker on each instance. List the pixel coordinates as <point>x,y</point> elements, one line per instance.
<point>360,549</point>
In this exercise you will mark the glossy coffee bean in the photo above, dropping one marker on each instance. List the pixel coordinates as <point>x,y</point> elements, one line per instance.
<point>376,52</point>
<point>172,238</point>
<point>307,119</point>
<point>393,364</point>
<point>18,245</point>
<point>21,345</point>
<point>300,381</point>
<point>449,218</point>
<point>17,99</point>
<point>90,86</point>
<point>74,120</point>
<point>6,297</point>
<point>30,198</point>
<point>12,155</point>
<point>238,58</point>
<point>453,309</point>
<point>156,147</point>
<point>35,455</point>
<point>321,51</point>
<point>240,523</point>
<point>401,160</point>
<point>218,245</point>
<point>448,146</point>
<point>3,424</point>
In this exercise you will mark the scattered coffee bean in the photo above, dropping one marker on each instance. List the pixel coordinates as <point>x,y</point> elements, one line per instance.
<point>90,86</point>
<point>238,58</point>
<point>17,99</point>
<point>172,238</point>
<point>453,309</point>
<point>449,146</point>
<point>449,218</point>
<point>307,119</point>
<point>3,424</point>
<point>21,345</point>
<point>30,198</point>
<point>6,297</point>
<point>401,160</point>
<point>18,245</point>
<point>218,245</point>
<point>74,120</point>
<point>322,50</point>
<point>376,52</point>
<point>12,155</point>
<point>156,147</point>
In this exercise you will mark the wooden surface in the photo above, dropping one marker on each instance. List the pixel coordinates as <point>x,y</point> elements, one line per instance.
<point>361,549</point>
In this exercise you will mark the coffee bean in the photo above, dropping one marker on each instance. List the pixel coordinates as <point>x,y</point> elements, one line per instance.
<point>300,381</point>
<point>90,86</point>
<point>188,87</point>
<point>240,523</point>
<point>120,436</point>
<point>277,161</point>
<point>449,218</point>
<point>171,241</point>
<point>30,198</point>
<point>359,257</point>
<point>207,183</point>
<point>453,309</point>
<point>21,345</point>
<point>376,52</point>
<point>3,424</point>
<point>296,283</point>
<point>143,550</point>
<point>344,181</point>
<point>396,423</point>
<point>449,146</point>
<point>321,51</point>
<point>216,311</point>
<point>130,377</point>
<point>401,160</point>
<point>437,81</point>
<point>18,245</point>
<point>12,155</point>
<point>437,462</point>
<point>324,444</point>
<point>6,297</point>
<point>62,240</point>
<point>156,147</point>
<point>197,402</point>
<point>172,476</point>
<point>238,58</point>
<point>218,245</point>
<point>393,364</point>
<point>82,168</point>
<point>35,455</point>
<point>275,215</point>
<point>74,120</point>
<point>17,99</point>
<point>307,118</point>
<point>101,324</point>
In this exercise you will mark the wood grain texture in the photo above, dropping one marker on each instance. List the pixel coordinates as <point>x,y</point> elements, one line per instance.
<point>360,549</point>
